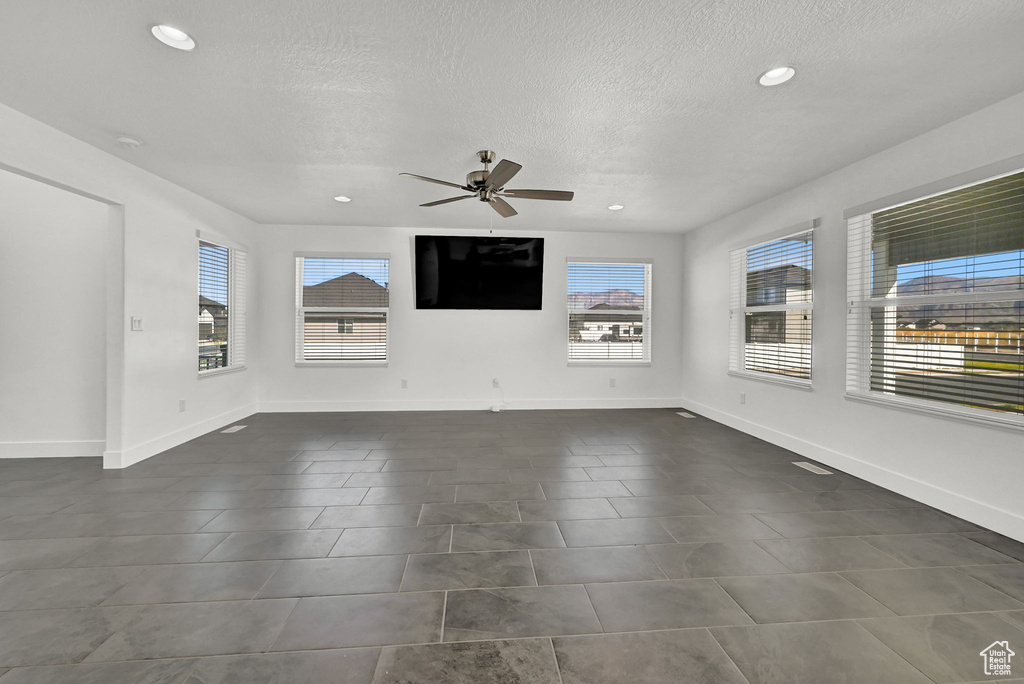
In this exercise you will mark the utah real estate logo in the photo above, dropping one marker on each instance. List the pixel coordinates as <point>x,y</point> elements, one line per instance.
<point>997,659</point>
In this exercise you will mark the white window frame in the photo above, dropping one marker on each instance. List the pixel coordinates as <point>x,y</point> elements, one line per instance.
<point>645,313</point>
<point>738,308</point>
<point>237,284</point>
<point>860,300</point>
<point>301,311</point>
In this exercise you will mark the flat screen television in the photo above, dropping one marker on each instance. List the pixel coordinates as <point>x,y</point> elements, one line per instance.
<point>458,272</point>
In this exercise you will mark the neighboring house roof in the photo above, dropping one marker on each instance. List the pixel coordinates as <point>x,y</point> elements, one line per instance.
<point>215,308</point>
<point>351,289</point>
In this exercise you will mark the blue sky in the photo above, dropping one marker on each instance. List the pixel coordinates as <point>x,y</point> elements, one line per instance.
<point>984,266</point>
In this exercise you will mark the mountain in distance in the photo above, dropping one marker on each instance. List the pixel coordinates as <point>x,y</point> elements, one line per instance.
<point>1004,315</point>
<point>619,298</point>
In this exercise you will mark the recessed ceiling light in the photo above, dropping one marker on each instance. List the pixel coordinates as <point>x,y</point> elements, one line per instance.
<point>777,76</point>
<point>616,207</point>
<point>342,198</point>
<point>176,38</point>
<point>128,141</point>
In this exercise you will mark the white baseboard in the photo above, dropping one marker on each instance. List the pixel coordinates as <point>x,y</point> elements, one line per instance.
<point>978,512</point>
<point>140,452</point>
<point>463,405</point>
<point>51,449</point>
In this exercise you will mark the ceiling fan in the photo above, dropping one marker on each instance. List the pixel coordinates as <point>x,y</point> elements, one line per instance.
<point>489,186</point>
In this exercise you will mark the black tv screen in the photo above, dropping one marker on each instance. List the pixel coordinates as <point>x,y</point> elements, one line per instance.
<point>454,272</point>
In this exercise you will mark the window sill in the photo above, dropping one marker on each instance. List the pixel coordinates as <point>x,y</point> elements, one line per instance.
<point>219,371</point>
<point>937,410</point>
<point>342,364</point>
<point>610,362</point>
<point>774,380</point>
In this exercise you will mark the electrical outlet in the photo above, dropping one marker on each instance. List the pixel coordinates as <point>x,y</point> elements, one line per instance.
<point>611,382</point>
<point>495,383</point>
<point>181,405</point>
<point>743,397</point>
<point>405,383</point>
<point>136,323</point>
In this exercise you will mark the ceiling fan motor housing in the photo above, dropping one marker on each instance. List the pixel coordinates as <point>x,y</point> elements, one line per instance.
<point>476,179</point>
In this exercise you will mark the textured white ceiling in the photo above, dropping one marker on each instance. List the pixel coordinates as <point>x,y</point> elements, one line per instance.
<point>648,103</point>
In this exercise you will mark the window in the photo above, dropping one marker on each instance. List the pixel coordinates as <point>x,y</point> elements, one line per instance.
<point>770,309</point>
<point>341,309</point>
<point>609,312</point>
<point>936,317</point>
<point>222,276</point>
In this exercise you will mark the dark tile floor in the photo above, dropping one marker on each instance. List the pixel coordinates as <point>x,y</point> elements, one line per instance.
<point>534,547</point>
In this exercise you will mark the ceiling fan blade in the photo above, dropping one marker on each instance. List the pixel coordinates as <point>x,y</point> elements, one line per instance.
<point>434,180</point>
<point>503,207</point>
<point>446,201</point>
<point>560,195</point>
<point>502,174</point>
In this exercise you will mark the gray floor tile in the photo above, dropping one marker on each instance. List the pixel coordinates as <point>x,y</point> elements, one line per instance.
<point>410,495</point>
<point>104,524</point>
<point>506,536</point>
<point>51,637</point>
<point>717,528</point>
<point>1010,547</point>
<point>465,477</point>
<point>21,554</point>
<point>825,483</point>
<point>522,612</point>
<point>922,550</point>
<point>658,506</point>
<point>944,647</point>
<point>494,463</point>
<point>604,564</point>
<point>334,576</point>
<point>468,571</point>
<point>192,629</point>
<point>814,653</point>
<point>38,505</point>
<point>749,485</point>
<point>522,661</point>
<point>524,491</point>
<point>930,591</point>
<point>714,559</point>
<point>793,598</point>
<point>149,550</point>
<point>446,514</point>
<point>144,672</point>
<point>200,501</point>
<point>667,604</point>
<point>195,582</point>
<point>913,521</point>
<point>600,450</point>
<point>115,503</point>
<point>246,520</point>
<point>377,541</point>
<point>893,499</point>
<point>63,588</point>
<point>274,545</point>
<point>397,515</point>
<point>1008,579</point>
<point>368,620</point>
<point>625,473</point>
<point>350,496</point>
<point>348,666</point>
<point>567,509</point>
<point>613,532</point>
<point>583,490</point>
<point>623,460</point>
<point>790,502</point>
<point>827,554</point>
<point>406,479</point>
<point>427,464</point>
<point>344,467</point>
<point>333,455</point>
<point>667,487</point>
<point>670,657</point>
<point>549,475</point>
<point>566,461</point>
<point>823,524</point>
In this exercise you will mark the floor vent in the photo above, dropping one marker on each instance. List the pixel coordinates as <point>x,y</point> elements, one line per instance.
<point>233,428</point>
<point>813,468</point>
<point>684,414</point>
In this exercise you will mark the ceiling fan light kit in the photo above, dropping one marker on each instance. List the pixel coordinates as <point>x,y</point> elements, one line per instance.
<point>489,186</point>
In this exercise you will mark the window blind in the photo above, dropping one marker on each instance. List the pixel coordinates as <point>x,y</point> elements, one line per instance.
<point>341,308</point>
<point>609,311</point>
<point>771,307</point>
<point>936,302</point>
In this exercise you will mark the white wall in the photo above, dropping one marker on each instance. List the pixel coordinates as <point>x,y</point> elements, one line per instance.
<point>972,471</point>
<point>157,366</point>
<point>53,246</point>
<point>450,357</point>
